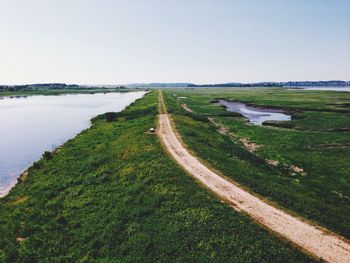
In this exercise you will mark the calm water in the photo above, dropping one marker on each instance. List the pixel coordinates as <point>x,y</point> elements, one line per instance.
<point>255,115</point>
<point>328,88</point>
<point>32,125</point>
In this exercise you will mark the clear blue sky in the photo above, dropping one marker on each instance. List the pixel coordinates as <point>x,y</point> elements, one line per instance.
<point>108,42</point>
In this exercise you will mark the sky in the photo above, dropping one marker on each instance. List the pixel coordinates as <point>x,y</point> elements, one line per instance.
<point>198,41</point>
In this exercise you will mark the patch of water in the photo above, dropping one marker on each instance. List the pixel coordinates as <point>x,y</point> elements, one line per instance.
<point>254,114</point>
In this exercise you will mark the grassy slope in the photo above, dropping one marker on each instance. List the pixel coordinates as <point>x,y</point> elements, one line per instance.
<point>112,195</point>
<point>323,195</point>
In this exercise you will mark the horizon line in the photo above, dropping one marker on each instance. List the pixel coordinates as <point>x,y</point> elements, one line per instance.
<point>170,82</point>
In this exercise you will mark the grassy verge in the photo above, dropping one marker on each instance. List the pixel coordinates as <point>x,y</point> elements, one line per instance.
<point>112,195</point>
<point>322,194</point>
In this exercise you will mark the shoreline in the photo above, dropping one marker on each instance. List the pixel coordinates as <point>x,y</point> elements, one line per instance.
<point>5,190</point>
<point>22,176</point>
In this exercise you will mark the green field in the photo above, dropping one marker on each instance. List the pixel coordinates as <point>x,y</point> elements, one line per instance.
<point>112,195</point>
<point>316,140</point>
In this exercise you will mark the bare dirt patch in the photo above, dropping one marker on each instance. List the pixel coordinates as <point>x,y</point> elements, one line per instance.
<point>20,239</point>
<point>272,162</point>
<point>250,146</point>
<point>297,169</point>
<point>186,108</point>
<point>221,128</point>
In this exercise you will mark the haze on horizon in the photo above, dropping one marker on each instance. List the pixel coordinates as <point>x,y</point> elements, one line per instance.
<point>109,42</point>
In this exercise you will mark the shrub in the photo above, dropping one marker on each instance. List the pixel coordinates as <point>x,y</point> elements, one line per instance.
<point>47,155</point>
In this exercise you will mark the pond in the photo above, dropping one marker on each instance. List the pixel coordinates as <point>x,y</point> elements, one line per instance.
<point>255,115</point>
<point>34,124</point>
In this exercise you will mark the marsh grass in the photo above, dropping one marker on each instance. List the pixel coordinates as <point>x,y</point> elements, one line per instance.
<point>112,194</point>
<point>310,141</point>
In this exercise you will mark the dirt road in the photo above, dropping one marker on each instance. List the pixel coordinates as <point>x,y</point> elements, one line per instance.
<point>317,241</point>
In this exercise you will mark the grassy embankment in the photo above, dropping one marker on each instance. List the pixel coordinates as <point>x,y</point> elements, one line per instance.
<point>112,195</point>
<point>322,194</point>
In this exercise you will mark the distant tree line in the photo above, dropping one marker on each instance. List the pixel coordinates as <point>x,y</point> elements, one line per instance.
<point>51,86</point>
<point>327,83</point>
<point>38,86</point>
<point>234,84</point>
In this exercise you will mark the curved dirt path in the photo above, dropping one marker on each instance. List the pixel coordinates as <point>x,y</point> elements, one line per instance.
<point>315,240</point>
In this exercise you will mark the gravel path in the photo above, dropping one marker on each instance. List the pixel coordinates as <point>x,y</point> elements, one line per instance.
<point>317,241</point>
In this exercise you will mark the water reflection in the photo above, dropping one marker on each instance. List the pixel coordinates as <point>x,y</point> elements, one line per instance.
<point>31,125</point>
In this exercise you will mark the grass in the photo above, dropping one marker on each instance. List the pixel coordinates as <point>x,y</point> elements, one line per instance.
<point>112,195</point>
<point>315,141</point>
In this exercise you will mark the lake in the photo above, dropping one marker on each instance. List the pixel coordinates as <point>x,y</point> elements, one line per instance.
<point>34,124</point>
<point>255,115</point>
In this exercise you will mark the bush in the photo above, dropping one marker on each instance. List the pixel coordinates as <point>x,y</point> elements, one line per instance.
<point>47,155</point>
<point>111,116</point>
